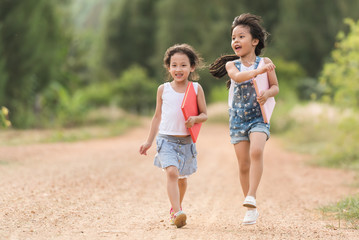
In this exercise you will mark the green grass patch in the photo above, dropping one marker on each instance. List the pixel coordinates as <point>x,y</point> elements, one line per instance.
<point>100,124</point>
<point>91,132</point>
<point>345,212</point>
<point>331,137</point>
<point>2,162</point>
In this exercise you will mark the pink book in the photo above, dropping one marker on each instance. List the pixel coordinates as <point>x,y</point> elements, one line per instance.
<point>260,84</point>
<point>190,108</point>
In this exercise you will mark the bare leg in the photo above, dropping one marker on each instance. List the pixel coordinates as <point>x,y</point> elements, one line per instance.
<point>257,143</point>
<point>244,164</point>
<point>182,185</point>
<point>172,187</point>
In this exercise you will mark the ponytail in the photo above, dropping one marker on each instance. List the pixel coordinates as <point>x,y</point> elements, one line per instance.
<point>218,68</point>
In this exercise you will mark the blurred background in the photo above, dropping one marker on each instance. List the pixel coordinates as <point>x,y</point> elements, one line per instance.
<point>73,63</point>
<point>70,64</point>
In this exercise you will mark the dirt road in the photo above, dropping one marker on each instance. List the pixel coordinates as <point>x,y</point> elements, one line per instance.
<point>103,189</point>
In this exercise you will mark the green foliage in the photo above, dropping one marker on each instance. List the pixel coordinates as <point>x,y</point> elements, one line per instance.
<point>129,37</point>
<point>40,44</point>
<point>33,48</point>
<point>100,123</point>
<point>329,133</point>
<point>306,30</point>
<point>85,61</point>
<point>340,81</point>
<point>218,94</point>
<point>340,76</point>
<point>64,108</point>
<point>99,94</point>
<point>290,75</point>
<point>3,74</point>
<point>136,91</point>
<point>4,114</point>
<point>342,150</point>
<point>280,122</point>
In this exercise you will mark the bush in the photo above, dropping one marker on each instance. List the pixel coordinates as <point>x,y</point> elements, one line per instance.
<point>136,91</point>
<point>342,149</point>
<point>218,94</point>
<point>340,76</point>
<point>62,108</point>
<point>290,75</point>
<point>4,122</point>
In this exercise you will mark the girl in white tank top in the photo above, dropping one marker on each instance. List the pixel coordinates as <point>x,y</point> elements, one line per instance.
<point>176,153</point>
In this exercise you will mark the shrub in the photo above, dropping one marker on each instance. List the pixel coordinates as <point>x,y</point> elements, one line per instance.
<point>4,122</point>
<point>136,91</point>
<point>340,76</point>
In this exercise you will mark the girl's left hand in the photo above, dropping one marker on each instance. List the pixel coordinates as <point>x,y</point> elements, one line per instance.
<point>262,98</point>
<point>190,122</point>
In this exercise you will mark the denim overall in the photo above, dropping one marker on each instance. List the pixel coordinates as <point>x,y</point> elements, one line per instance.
<point>245,114</point>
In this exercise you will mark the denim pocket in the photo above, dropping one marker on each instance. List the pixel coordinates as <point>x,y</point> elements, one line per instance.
<point>194,150</point>
<point>159,143</point>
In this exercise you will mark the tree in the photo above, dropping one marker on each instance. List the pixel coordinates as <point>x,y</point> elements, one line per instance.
<point>307,29</point>
<point>33,48</point>
<point>130,35</point>
<point>340,76</point>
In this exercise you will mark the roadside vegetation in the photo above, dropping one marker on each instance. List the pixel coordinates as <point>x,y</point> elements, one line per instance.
<point>328,128</point>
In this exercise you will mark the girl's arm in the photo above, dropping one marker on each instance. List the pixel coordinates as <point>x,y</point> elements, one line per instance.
<point>202,109</point>
<point>155,123</point>
<point>273,85</point>
<point>239,76</point>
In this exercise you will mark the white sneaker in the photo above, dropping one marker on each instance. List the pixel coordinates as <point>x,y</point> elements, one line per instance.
<point>250,202</point>
<point>251,216</point>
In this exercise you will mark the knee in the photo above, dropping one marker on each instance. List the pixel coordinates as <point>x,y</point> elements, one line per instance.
<point>256,154</point>
<point>172,173</point>
<point>244,167</point>
<point>182,182</point>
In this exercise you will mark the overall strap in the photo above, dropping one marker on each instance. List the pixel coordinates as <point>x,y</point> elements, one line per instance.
<point>258,59</point>
<point>237,63</point>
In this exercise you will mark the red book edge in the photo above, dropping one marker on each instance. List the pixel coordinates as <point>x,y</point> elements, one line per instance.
<point>196,127</point>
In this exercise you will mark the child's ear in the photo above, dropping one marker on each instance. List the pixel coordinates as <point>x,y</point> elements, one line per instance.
<point>255,41</point>
<point>193,68</point>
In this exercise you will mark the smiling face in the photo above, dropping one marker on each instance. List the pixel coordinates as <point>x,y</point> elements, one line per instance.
<point>243,43</point>
<point>180,67</point>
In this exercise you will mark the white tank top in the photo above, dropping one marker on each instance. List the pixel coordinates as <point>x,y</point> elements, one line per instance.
<point>172,119</point>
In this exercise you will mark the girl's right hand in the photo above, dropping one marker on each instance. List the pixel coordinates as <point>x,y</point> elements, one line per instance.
<point>268,67</point>
<point>144,147</point>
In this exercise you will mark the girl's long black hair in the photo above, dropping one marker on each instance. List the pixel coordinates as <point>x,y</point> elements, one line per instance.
<point>218,68</point>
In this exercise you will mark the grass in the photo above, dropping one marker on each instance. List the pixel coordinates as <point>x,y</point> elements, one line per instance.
<point>2,162</point>
<point>346,212</point>
<point>99,125</point>
<point>330,136</point>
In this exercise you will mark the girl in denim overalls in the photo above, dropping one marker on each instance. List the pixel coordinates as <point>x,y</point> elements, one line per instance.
<point>248,131</point>
<point>176,153</point>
